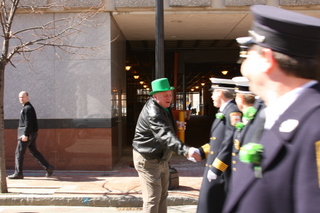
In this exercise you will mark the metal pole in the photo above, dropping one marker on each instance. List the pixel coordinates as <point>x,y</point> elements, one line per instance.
<point>175,79</point>
<point>184,97</point>
<point>159,49</point>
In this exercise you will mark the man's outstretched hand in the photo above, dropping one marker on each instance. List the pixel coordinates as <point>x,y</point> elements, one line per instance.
<point>194,154</point>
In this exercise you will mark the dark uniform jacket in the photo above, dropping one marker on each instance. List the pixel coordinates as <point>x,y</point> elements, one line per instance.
<point>28,119</point>
<point>290,164</point>
<point>212,194</point>
<point>251,132</point>
<point>155,135</point>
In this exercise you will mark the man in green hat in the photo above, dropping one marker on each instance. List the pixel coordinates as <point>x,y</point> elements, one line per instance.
<point>154,141</point>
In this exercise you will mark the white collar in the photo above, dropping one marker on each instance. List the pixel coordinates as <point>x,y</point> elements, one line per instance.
<point>223,106</point>
<point>278,106</point>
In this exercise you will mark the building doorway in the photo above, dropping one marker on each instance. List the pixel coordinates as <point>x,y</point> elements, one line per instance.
<point>197,63</point>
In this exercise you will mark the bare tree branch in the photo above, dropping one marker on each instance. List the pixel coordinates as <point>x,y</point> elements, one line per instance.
<point>54,33</point>
<point>54,39</point>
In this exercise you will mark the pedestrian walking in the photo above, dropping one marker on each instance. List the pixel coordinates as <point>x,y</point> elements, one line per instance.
<point>27,136</point>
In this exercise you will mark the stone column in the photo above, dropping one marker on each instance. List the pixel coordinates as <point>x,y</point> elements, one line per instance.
<point>217,4</point>
<point>109,4</point>
<point>275,3</point>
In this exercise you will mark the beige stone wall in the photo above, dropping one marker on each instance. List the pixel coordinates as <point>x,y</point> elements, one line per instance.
<point>63,85</point>
<point>243,2</point>
<point>113,5</point>
<point>66,3</point>
<point>299,2</point>
<point>213,3</point>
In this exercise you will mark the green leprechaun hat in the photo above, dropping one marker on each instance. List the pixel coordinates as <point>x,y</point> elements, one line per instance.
<point>160,85</point>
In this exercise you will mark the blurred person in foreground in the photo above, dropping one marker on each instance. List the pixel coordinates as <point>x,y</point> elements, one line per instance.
<point>218,150</point>
<point>154,142</point>
<point>280,171</point>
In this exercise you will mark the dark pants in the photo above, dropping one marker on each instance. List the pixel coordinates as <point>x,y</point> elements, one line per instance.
<point>21,150</point>
<point>212,194</point>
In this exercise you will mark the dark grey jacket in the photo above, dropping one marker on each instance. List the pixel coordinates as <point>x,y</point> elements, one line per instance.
<point>28,119</point>
<point>155,135</point>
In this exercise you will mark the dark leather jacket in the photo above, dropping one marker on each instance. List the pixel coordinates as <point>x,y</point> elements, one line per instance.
<point>155,135</point>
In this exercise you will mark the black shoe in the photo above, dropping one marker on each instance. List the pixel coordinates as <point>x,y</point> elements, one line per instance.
<point>49,171</point>
<point>15,176</point>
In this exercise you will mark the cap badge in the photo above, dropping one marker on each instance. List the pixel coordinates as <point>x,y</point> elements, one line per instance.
<point>256,36</point>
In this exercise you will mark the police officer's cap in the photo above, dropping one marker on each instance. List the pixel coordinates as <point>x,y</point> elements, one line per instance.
<point>221,83</point>
<point>242,85</point>
<point>284,31</point>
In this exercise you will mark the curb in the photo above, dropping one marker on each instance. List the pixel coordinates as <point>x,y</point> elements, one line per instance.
<point>106,201</point>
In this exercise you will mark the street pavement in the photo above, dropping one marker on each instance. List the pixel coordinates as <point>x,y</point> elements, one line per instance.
<point>84,209</point>
<point>118,188</point>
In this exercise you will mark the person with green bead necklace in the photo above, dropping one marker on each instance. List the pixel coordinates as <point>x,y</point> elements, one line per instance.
<point>245,101</point>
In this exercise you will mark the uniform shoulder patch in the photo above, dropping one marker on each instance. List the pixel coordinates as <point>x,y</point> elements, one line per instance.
<point>317,144</point>
<point>235,117</point>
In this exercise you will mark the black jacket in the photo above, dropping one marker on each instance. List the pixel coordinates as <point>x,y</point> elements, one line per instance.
<point>155,135</point>
<point>212,194</point>
<point>28,119</point>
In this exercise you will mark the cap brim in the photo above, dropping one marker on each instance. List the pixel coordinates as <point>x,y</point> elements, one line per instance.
<point>244,92</point>
<point>154,92</point>
<point>213,88</point>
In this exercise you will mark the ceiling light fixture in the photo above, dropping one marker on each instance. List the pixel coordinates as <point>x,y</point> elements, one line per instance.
<point>128,67</point>
<point>224,72</point>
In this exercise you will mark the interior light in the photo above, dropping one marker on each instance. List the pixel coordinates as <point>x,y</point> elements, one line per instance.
<point>128,67</point>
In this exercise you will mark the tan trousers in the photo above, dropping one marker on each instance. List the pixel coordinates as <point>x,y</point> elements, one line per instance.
<point>154,180</point>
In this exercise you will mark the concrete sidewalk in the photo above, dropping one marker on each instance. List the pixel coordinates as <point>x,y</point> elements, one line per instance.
<point>117,188</point>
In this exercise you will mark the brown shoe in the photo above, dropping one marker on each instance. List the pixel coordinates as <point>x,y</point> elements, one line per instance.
<point>49,171</point>
<point>15,176</point>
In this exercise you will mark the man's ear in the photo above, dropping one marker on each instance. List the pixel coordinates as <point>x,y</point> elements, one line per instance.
<point>220,93</point>
<point>241,97</point>
<point>270,62</point>
<point>155,96</point>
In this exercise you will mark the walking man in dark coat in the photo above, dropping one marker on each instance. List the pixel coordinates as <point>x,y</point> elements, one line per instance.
<point>27,136</point>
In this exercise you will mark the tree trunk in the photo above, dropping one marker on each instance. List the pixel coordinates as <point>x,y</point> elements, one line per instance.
<point>3,175</point>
